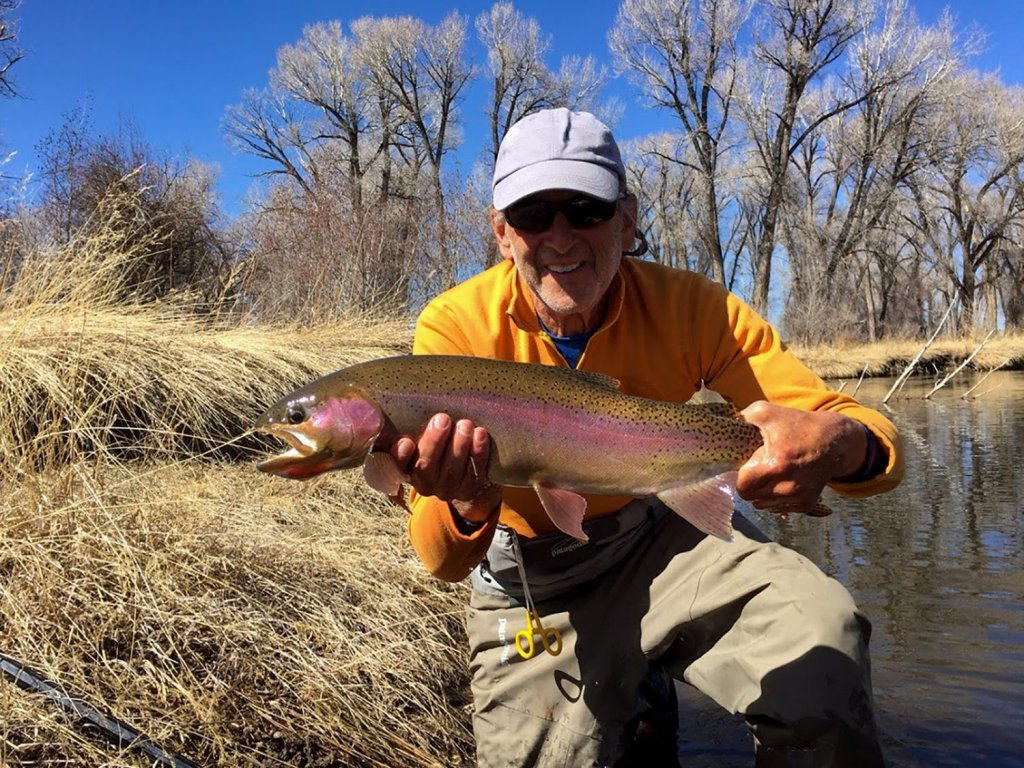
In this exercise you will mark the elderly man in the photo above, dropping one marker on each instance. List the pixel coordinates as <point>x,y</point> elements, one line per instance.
<point>755,626</point>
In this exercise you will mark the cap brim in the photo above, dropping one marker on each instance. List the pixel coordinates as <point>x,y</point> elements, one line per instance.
<point>586,177</point>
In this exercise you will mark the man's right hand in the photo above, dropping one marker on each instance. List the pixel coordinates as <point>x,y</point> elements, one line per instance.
<point>449,462</point>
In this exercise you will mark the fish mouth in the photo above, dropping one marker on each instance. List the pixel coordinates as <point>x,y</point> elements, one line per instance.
<point>304,457</point>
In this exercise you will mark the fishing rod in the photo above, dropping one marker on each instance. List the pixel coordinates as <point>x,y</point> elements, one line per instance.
<point>116,731</point>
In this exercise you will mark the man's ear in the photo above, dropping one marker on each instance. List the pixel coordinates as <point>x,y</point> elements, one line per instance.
<point>629,214</point>
<point>500,229</point>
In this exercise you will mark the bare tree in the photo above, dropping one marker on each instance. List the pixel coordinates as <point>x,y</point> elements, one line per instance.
<point>848,171</point>
<point>355,129</point>
<point>972,196</point>
<point>325,70</point>
<point>667,191</point>
<point>10,53</point>
<point>63,155</point>
<point>263,125</point>
<point>796,41</point>
<point>422,69</point>
<point>161,209</point>
<point>521,82</point>
<point>1009,270</point>
<point>682,54</point>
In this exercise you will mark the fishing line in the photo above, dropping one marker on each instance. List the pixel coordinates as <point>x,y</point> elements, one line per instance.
<point>117,731</point>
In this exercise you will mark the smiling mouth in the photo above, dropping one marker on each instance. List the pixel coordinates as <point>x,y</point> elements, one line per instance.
<point>561,269</point>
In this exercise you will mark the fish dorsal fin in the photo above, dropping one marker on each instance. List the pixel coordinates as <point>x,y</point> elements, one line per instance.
<point>602,380</point>
<point>565,508</point>
<point>708,505</point>
<point>382,473</point>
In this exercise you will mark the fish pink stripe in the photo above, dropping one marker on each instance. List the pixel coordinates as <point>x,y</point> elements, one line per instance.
<point>558,422</point>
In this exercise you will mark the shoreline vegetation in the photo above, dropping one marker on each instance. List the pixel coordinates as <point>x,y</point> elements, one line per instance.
<point>891,357</point>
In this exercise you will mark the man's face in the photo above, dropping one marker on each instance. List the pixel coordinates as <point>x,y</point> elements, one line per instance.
<point>568,269</point>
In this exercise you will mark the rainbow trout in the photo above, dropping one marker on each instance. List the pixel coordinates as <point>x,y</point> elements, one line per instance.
<point>559,431</point>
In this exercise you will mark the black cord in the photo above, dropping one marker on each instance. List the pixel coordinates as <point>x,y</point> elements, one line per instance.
<point>117,731</point>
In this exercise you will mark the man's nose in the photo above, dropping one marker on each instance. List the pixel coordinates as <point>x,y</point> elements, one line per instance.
<point>560,235</point>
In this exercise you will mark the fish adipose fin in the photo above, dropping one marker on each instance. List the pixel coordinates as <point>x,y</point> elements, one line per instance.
<point>382,474</point>
<point>708,505</point>
<point>565,508</point>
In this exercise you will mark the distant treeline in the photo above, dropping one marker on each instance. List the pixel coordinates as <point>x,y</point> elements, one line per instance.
<point>835,162</point>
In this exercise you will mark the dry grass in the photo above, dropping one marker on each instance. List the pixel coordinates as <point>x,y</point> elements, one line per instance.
<point>238,619</point>
<point>889,358</point>
<point>84,383</point>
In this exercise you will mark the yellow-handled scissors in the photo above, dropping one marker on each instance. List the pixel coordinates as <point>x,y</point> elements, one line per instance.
<point>550,638</point>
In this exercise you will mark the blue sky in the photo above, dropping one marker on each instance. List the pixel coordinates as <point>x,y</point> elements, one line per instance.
<point>172,68</point>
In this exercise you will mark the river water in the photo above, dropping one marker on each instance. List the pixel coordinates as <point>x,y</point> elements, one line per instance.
<point>938,567</point>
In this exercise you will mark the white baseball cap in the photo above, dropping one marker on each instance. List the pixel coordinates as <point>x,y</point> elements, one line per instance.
<point>557,149</point>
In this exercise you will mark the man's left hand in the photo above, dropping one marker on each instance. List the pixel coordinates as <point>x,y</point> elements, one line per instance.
<point>802,451</point>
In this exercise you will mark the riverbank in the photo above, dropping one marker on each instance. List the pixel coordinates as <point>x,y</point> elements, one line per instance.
<point>890,358</point>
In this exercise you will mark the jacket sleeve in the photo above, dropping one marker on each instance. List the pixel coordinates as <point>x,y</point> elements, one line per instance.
<point>747,361</point>
<point>447,552</point>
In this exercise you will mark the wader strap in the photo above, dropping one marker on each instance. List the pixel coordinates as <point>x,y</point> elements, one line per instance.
<point>557,563</point>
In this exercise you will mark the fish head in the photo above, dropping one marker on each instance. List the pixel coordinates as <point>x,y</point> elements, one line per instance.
<point>325,431</point>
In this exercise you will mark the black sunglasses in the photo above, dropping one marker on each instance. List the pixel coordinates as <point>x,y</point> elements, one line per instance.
<point>531,215</point>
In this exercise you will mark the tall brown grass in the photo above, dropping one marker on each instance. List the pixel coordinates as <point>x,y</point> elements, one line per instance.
<point>145,565</point>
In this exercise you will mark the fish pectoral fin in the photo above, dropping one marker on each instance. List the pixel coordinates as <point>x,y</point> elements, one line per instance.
<point>382,474</point>
<point>708,505</point>
<point>565,508</point>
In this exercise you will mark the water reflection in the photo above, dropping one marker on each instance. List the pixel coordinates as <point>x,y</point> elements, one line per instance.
<point>938,566</point>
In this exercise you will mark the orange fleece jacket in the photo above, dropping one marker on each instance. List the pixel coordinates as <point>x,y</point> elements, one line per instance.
<point>666,332</point>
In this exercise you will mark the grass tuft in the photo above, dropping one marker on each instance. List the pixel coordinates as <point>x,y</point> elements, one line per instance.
<point>234,618</point>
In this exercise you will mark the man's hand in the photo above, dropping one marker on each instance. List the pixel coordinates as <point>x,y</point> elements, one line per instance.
<point>450,462</point>
<point>802,451</point>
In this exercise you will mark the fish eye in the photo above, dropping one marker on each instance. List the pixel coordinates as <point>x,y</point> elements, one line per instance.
<point>296,414</point>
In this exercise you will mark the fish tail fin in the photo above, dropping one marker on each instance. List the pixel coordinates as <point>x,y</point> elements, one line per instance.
<point>707,505</point>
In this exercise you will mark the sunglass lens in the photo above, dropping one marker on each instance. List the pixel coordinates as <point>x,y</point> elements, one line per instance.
<point>531,216</point>
<point>586,212</point>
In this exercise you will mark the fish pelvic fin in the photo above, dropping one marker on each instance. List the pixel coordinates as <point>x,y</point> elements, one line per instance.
<point>382,474</point>
<point>707,505</point>
<point>565,508</point>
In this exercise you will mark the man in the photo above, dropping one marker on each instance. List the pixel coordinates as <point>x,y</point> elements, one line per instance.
<point>755,626</point>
